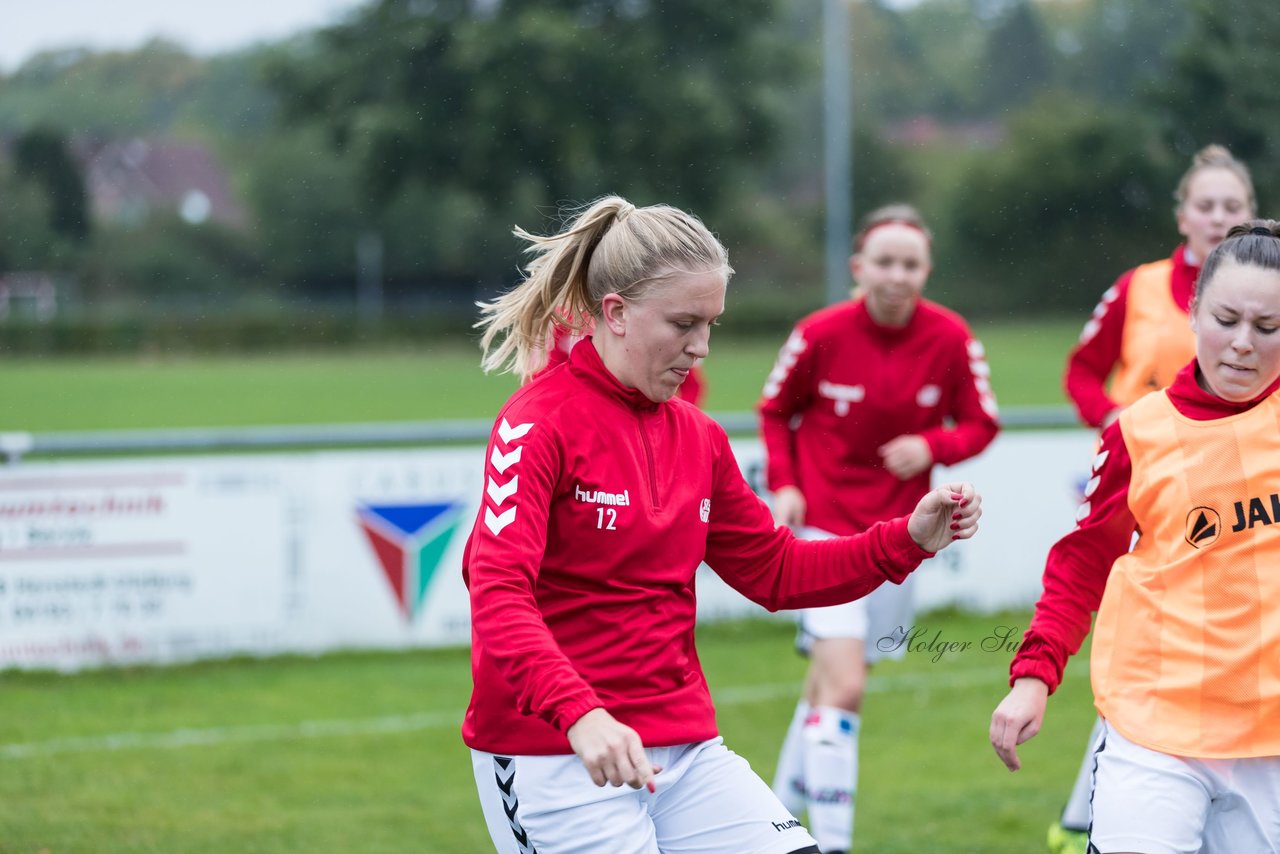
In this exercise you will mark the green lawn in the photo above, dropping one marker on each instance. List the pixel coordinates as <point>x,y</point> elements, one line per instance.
<point>64,394</point>
<point>360,752</point>
<point>41,395</point>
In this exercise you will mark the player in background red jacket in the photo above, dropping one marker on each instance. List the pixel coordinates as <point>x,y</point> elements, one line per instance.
<point>1188,634</point>
<point>590,723</point>
<point>866,397</point>
<point>1137,339</point>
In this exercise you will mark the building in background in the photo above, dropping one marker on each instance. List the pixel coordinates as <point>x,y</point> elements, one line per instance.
<point>128,180</point>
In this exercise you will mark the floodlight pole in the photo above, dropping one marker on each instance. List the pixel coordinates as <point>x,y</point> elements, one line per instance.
<point>837,144</point>
<point>369,276</point>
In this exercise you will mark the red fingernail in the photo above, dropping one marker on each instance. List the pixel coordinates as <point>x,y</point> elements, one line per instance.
<point>955,515</point>
<point>955,526</point>
<point>653,790</point>
<point>955,536</point>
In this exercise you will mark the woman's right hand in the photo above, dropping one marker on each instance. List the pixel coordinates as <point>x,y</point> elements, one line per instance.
<point>611,751</point>
<point>789,507</point>
<point>1018,718</point>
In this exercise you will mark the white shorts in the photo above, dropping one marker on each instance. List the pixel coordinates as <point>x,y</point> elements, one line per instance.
<point>881,619</point>
<point>707,799</point>
<point>1152,802</point>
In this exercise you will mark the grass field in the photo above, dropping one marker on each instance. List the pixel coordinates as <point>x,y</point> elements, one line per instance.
<point>438,382</point>
<point>360,752</point>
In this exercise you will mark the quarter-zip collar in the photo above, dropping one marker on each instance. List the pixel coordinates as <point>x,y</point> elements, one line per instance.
<point>585,362</point>
<point>863,320</point>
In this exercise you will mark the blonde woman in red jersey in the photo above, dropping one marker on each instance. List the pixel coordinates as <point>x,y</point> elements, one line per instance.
<point>1186,652</point>
<point>590,724</point>
<point>866,397</point>
<point>1138,336</point>
<point>1137,340</point>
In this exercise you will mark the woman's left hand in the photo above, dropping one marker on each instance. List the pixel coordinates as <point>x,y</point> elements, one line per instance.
<point>906,456</point>
<point>944,515</point>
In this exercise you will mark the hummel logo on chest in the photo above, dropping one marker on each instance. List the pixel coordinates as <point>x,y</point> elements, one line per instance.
<point>843,395</point>
<point>614,499</point>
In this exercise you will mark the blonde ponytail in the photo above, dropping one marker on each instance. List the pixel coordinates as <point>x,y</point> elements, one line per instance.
<point>610,247</point>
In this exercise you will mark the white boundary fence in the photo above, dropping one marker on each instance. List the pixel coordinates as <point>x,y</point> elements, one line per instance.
<point>170,558</point>
<point>14,446</point>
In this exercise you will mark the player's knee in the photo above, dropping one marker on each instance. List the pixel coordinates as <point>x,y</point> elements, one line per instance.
<point>845,693</point>
<point>851,699</point>
<point>837,679</point>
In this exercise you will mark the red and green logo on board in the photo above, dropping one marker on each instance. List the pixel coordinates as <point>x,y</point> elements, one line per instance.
<point>409,540</point>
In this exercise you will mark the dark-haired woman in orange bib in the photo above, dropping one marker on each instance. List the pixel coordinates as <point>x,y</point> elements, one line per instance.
<point>1135,343</point>
<point>1186,653</point>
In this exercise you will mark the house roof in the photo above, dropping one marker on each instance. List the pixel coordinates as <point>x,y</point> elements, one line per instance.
<point>128,178</point>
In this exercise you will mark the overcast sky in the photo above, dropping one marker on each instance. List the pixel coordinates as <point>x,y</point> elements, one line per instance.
<point>203,26</point>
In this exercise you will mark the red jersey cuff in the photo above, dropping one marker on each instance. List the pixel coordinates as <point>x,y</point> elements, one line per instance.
<point>1035,659</point>
<point>903,553</point>
<point>937,443</point>
<point>568,714</point>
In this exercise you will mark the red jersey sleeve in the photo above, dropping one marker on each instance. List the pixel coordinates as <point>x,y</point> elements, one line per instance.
<point>787,392</point>
<point>973,411</point>
<point>1076,571</point>
<point>1095,355</point>
<point>769,566</point>
<point>503,558</point>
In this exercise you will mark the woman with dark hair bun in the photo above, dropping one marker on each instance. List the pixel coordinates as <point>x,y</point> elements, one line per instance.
<point>1137,340</point>
<point>1186,650</point>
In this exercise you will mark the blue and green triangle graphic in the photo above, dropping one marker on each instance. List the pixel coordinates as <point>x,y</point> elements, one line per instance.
<point>409,541</point>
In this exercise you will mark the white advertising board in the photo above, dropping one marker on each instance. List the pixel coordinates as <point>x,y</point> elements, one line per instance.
<point>172,559</point>
<point>151,561</point>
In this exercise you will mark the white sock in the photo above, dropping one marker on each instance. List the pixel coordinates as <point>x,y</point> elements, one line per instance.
<point>831,774</point>
<point>788,780</point>
<point>1075,816</point>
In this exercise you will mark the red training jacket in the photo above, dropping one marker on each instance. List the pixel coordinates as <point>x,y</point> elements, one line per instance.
<point>844,385</point>
<point>599,506</point>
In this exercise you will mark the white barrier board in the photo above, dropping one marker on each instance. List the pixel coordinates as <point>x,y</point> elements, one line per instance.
<point>172,559</point>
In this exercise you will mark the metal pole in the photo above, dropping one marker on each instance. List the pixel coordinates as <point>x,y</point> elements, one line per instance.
<point>837,144</point>
<point>369,276</point>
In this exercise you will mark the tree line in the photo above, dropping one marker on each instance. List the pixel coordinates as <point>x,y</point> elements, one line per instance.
<point>1053,135</point>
